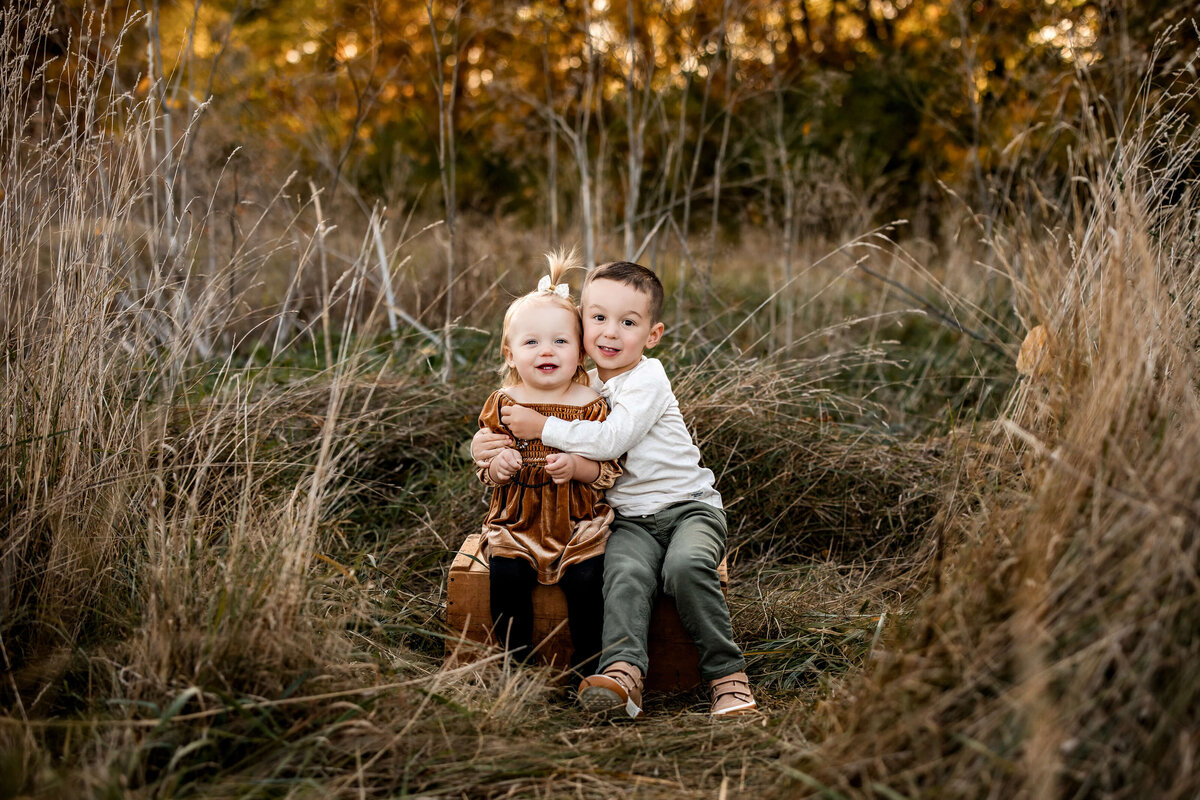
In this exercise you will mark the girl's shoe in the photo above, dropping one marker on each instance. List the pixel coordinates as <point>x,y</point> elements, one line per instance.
<point>618,688</point>
<point>731,695</point>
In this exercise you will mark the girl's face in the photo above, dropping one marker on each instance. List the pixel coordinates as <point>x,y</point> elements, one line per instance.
<point>544,345</point>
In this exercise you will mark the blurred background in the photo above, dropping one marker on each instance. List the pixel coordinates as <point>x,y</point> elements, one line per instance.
<point>838,111</point>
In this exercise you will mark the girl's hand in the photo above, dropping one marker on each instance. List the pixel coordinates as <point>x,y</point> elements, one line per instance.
<point>560,467</point>
<point>487,444</point>
<point>525,423</point>
<point>505,465</point>
<point>563,467</point>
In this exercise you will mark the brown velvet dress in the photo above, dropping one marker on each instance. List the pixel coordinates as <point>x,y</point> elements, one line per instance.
<point>550,525</point>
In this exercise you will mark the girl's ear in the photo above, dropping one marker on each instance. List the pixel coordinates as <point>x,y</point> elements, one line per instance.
<point>508,356</point>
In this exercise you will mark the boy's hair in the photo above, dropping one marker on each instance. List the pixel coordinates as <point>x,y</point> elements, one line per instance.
<point>560,263</point>
<point>634,275</point>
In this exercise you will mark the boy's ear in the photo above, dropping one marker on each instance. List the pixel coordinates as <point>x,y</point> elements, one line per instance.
<point>656,333</point>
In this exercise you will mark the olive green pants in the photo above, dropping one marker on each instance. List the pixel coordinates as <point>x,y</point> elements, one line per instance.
<point>678,550</point>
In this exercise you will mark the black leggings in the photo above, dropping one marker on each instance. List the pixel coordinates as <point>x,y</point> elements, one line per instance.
<point>511,588</point>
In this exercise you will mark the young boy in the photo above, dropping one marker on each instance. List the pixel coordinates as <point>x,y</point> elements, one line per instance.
<point>669,519</point>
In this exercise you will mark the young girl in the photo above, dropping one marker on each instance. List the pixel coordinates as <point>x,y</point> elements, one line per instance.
<point>547,522</point>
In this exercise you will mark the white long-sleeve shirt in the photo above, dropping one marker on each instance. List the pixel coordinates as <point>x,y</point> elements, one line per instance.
<point>662,464</point>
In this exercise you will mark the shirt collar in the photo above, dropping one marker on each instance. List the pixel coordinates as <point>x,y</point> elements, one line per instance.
<point>605,388</point>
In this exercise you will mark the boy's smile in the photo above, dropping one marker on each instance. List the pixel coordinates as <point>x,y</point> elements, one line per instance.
<point>617,327</point>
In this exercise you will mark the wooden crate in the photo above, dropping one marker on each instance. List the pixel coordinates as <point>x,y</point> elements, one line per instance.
<point>674,662</point>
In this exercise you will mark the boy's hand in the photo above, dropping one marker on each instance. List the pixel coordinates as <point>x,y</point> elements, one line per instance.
<point>560,467</point>
<point>487,444</point>
<point>525,423</point>
<point>505,464</point>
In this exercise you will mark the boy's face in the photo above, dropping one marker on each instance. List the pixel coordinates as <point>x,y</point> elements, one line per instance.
<point>616,326</point>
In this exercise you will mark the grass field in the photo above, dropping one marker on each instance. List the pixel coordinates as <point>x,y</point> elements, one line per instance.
<point>234,476</point>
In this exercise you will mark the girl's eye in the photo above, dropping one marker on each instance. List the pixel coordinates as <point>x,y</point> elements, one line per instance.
<point>531,341</point>
<point>598,317</point>
<point>560,341</point>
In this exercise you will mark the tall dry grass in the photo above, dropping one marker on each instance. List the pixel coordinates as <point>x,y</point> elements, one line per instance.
<point>157,493</point>
<point>1055,655</point>
<point>168,505</point>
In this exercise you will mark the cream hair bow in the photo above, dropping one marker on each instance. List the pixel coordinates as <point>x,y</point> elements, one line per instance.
<point>560,289</point>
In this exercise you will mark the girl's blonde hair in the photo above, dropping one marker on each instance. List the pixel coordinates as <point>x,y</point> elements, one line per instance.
<point>560,262</point>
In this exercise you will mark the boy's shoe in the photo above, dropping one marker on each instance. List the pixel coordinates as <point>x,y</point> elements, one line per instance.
<point>731,695</point>
<point>617,689</point>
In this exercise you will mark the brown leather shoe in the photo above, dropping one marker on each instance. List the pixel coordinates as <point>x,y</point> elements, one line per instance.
<point>618,688</point>
<point>731,696</point>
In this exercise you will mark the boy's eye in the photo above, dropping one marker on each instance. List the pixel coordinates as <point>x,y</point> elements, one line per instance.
<point>628,323</point>
<point>598,317</point>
